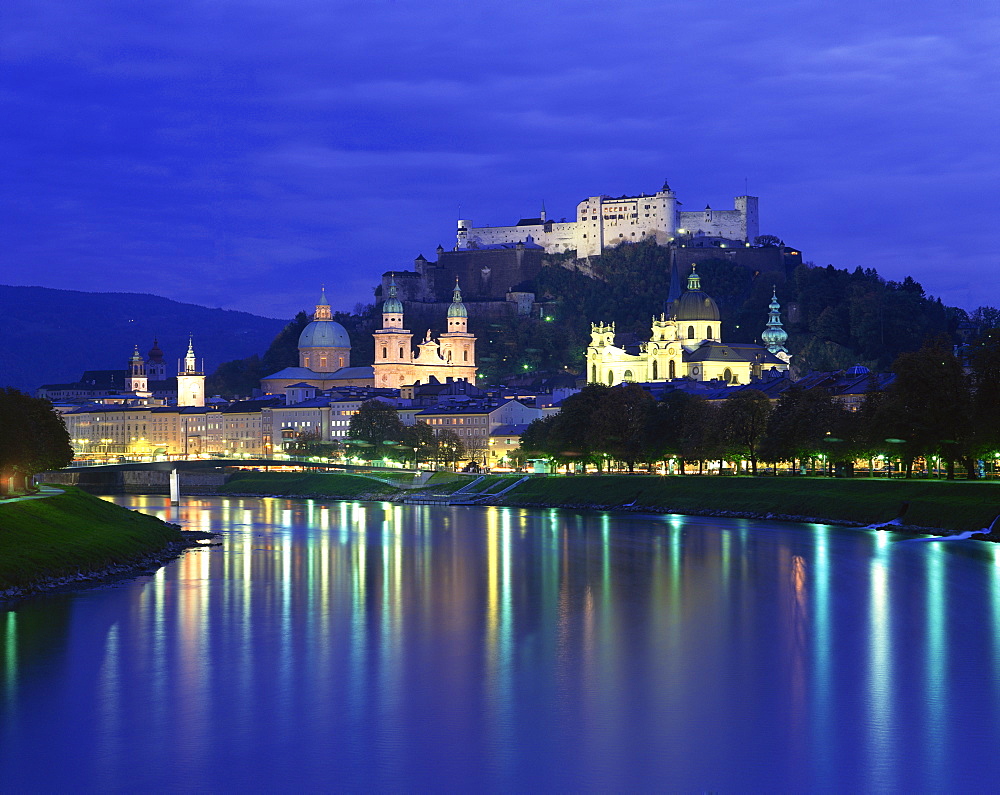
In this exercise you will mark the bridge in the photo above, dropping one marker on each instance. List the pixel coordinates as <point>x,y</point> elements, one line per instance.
<point>385,474</point>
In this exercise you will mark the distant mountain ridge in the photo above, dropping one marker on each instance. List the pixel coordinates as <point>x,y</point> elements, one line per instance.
<point>51,336</point>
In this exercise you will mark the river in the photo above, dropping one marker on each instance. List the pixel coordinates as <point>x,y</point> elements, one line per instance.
<point>374,646</point>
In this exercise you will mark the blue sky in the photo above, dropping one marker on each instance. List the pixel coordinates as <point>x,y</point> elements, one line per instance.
<point>238,154</point>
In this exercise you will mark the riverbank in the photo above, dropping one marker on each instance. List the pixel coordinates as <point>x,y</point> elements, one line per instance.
<point>73,538</point>
<point>941,507</point>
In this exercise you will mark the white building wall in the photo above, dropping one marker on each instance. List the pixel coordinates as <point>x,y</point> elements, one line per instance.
<point>602,221</point>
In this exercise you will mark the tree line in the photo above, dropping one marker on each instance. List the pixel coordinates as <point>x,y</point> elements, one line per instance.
<point>376,432</point>
<point>33,439</point>
<point>942,407</point>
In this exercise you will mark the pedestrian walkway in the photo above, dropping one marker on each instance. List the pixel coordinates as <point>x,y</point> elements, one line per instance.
<point>43,492</point>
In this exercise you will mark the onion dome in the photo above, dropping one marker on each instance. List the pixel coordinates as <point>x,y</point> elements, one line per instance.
<point>155,354</point>
<point>694,303</point>
<point>457,308</point>
<point>774,336</point>
<point>392,305</point>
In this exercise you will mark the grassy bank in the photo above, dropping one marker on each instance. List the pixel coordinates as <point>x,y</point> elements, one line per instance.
<point>307,484</point>
<point>952,506</point>
<point>72,534</point>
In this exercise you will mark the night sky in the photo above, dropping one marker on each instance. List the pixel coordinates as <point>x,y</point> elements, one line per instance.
<point>238,154</point>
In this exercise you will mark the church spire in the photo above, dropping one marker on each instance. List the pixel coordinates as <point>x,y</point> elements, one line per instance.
<point>675,280</point>
<point>774,336</point>
<point>190,362</point>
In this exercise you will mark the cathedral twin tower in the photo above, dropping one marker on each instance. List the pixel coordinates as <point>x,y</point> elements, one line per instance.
<point>450,357</point>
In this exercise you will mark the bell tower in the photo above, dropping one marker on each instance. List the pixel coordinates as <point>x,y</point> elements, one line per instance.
<point>190,379</point>
<point>458,346</point>
<point>137,381</point>
<point>393,344</point>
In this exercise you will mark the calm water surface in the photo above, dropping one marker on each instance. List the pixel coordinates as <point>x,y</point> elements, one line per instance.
<point>376,646</point>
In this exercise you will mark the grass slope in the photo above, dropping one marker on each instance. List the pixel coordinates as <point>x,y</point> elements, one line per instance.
<point>73,533</point>
<point>954,506</point>
<point>308,484</point>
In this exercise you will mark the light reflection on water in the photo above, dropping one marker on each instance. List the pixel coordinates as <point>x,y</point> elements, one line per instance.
<point>379,646</point>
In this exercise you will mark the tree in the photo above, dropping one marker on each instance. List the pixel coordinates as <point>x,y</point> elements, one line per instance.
<point>928,407</point>
<point>477,448</point>
<point>768,240</point>
<point>450,448</point>
<point>573,435</point>
<point>743,422</point>
<point>33,438</point>
<point>373,428</point>
<point>619,423</point>
<point>984,361</point>
<point>417,441</point>
<point>800,426</point>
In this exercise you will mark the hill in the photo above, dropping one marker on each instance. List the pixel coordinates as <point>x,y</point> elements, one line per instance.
<point>834,317</point>
<point>52,336</point>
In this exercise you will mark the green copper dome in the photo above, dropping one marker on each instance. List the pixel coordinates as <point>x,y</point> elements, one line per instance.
<point>774,336</point>
<point>457,308</point>
<point>392,305</point>
<point>695,303</point>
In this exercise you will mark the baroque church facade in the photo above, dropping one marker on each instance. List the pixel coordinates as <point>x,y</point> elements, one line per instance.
<point>686,342</point>
<point>325,352</point>
<point>449,357</point>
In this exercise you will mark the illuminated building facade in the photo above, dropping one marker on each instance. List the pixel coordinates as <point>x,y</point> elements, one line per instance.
<point>687,343</point>
<point>602,221</point>
<point>449,357</point>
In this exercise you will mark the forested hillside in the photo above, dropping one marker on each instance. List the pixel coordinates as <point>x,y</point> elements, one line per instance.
<point>52,336</point>
<point>834,317</point>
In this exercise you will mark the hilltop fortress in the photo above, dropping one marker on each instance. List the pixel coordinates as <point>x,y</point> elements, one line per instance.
<point>603,221</point>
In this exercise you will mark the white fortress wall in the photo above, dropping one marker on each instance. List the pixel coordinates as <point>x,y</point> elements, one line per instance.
<point>603,221</point>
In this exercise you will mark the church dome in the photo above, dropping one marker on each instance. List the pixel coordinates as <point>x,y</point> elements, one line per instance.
<point>392,305</point>
<point>457,308</point>
<point>694,303</point>
<point>155,353</point>
<point>324,334</point>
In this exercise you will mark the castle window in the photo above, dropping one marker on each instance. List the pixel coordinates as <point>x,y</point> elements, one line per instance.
<point>611,378</point>
<point>385,352</point>
<point>727,376</point>
<point>593,374</point>
<point>465,356</point>
<point>400,353</point>
<point>341,361</point>
<point>672,370</point>
<point>708,333</point>
<point>627,376</point>
<point>655,370</point>
<point>690,332</point>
